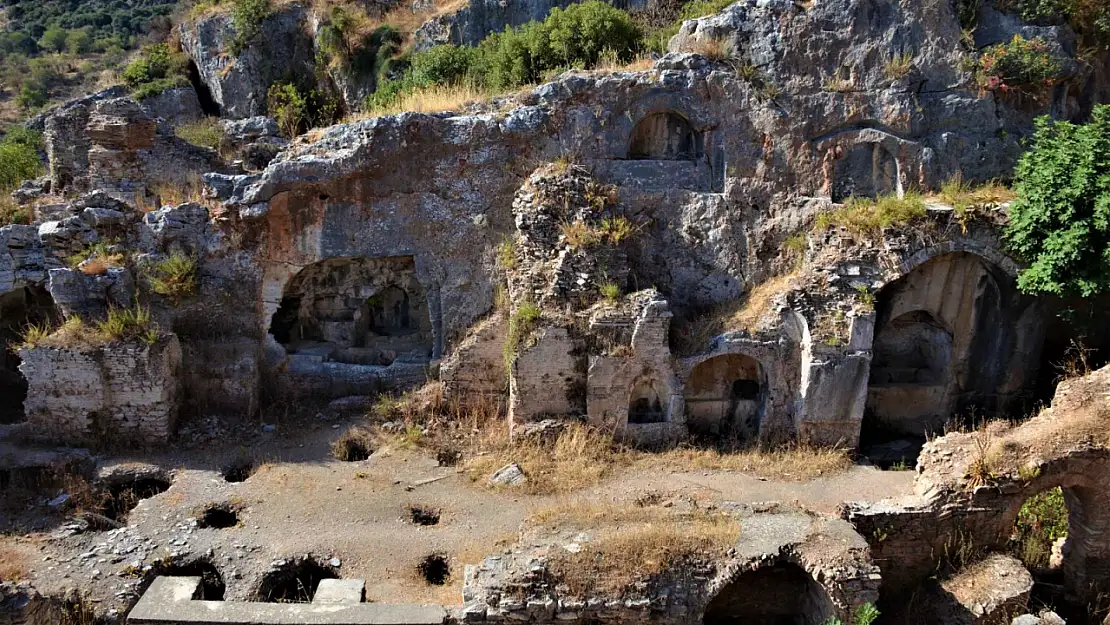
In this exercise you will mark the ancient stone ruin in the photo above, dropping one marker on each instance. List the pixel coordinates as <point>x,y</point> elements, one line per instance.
<point>652,259</point>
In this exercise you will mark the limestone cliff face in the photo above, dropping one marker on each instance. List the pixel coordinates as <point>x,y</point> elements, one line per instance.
<point>239,83</point>
<point>479,18</point>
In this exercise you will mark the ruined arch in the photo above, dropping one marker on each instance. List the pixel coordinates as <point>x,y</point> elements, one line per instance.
<point>943,344</point>
<point>665,136</point>
<point>776,594</point>
<point>726,396</point>
<point>19,308</point>
<point>355,310</point>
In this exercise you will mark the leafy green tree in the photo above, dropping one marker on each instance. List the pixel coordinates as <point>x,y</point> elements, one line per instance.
<point>79,41</point>
<point>54,39</point>
<point>30,98</point>
<point>1060,221</point>
<point>19,158</point>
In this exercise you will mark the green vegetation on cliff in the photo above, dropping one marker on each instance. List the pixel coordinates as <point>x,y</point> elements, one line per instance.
<point>1060,221</point>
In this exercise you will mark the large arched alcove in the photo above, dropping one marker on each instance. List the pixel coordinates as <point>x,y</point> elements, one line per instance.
<point>665,137</point>
<point>356,310</point>
<point>19,309</point>
<point>867,170</point>
<point>942,346</point>
<point>778,594</point>
<point>725,397</point>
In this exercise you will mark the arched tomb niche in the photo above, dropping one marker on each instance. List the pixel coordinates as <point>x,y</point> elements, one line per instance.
<point>867,170</point>
<point>941,348</point>
<point>647,401</point>
<point>725,396</point>
<point>355,310</point>
<point>665,137</point>
<point>777,594</point>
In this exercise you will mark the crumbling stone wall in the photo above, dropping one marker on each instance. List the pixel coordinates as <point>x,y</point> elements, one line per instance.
<point>119,392</point>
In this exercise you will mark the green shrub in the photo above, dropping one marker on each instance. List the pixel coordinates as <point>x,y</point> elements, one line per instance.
<point>1042,520</point>
<point>156,87</point>
<point>19,157</point>
<point>1060,220</point>
<point>297,109</point>
<point>1089,18</point>
<point>1019,63</point>
<point>158,68</point>
<point>30,98</point>
<point>443,64</point>
<point>610,291</point>
<point>247,17</point>
<point>79,41</point>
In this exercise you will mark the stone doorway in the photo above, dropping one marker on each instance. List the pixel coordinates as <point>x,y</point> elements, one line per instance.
<point>867,170</point>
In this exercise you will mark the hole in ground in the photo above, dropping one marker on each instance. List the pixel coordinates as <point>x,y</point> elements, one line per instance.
<point>211,582</point>
<point>424,516</point>
<point>294,581</point>
<point>218,516</point>
<point>435,568</point>
<point>122,497</point>
<point>355,445</point>
<point>239,470</point>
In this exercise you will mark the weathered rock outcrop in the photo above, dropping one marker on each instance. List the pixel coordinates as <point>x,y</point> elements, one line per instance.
<point>238,83</point>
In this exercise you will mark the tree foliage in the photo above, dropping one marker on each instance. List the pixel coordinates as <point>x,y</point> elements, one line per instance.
<point>247,17</point>
<point>19,157</point>
<point>1060,221</point>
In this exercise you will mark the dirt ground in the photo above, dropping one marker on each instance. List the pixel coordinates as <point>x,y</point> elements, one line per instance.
<point>301,500</point>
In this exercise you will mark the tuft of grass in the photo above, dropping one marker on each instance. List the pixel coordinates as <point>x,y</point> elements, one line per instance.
<point>712,49</point>
<point>12,213</point>
<point>174,277</point>
<point>35,334</point>
<point>15,565</point>
<point>521,323</point>
<point>898,66</point>
<point>96,260</point>
<point>865,296</point>
<point>610,291</point>
<point>610,230</point>
<point>966,198</point>
<point>693,335</point>
<point>171,194</point>
<point>506,253</point>
<point>795,243</point>
<point>838,85</point>
<point>983,468</point>
<point>206,133</point>
<point>862,216</point>
<point>129,323</point>
<point>630,544</point>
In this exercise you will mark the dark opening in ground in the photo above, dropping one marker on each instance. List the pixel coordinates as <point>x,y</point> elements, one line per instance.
<point>781,594</point>
<point>122,497</point>
<point>435,568</point>
<point>239,470</point>
<point>211,582</point>
<point>421,515</point>
<point>355,445</point>
<point>218,516</point>
<point>294,582</point>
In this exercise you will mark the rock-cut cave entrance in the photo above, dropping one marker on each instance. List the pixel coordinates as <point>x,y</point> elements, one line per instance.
<point>725,397</point>
<point>780,594</point>
<point>19,309</point>
<point>208,104</point>
<point>944,338</point>
<point>365,311</point>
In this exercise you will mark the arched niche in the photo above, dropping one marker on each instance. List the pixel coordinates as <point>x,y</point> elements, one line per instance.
<point>19,309</point>
<point>777,594</point>
<point>665,137</point>
<point>356,310</point>
<point>867,170</point>
<point>725,396</point>
<point>647,402</point>
<point>942,345</point>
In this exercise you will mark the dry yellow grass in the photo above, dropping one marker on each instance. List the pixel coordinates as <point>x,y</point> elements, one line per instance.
<point>14,563</point>
<point>629,543</point>
<point>694,335</point>
<point>432,99</point>
<point>794,463</point>
<point>641,63</point>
